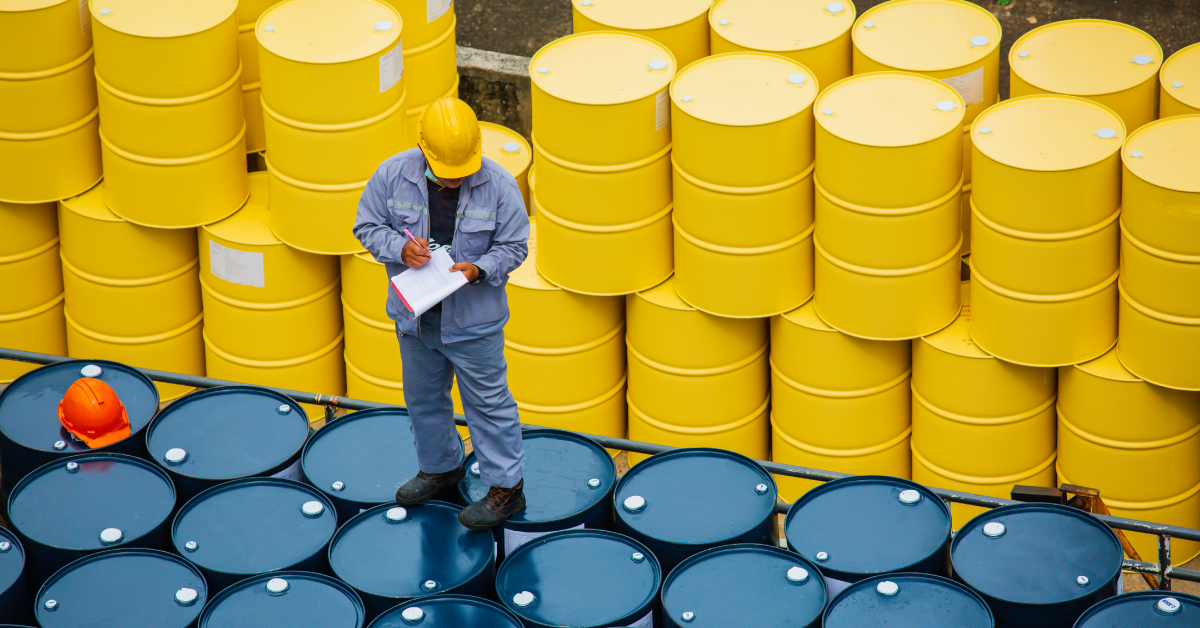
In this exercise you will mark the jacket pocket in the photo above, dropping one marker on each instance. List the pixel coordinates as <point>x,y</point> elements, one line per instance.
<point>475,232</point>
<point>404,215</point>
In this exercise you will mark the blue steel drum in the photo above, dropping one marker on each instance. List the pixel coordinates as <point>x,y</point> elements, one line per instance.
<point>361,459</point>
<point>688,500</point>
<point>744,586</point>
<point>1037,565</point>
<point>15,603</point>
<point>1145,609</point>
<point>391,554</point>
<point>124,588</point>
<point>86,503</point>
<point>285,599</point>
<point>569,481</point>
<point>908,600</point>
<point>251,526</point>
<point>581,578</point>
<point>448,611</point>
<point>867,525</point>
<point>221,434</point>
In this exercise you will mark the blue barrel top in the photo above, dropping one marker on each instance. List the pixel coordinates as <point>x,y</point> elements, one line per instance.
<point>129,588</point>
<point>581,578</point>
<point>1144,609</point>
<point>254,525</point>
<point>744,586</point>
<point>448,611</point>
<point>908,600</point>
<point>14,594</point>
<point>866,525</point>
<point>285,599</point>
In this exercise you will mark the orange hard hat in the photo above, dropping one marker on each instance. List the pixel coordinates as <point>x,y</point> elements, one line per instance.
<point>91,411</point>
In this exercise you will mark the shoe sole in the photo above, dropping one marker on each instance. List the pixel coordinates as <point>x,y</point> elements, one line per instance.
<point>479,528</point>
<point>417,502</point>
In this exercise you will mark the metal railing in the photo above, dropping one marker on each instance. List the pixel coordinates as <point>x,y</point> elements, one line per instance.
<point>1162,570</point>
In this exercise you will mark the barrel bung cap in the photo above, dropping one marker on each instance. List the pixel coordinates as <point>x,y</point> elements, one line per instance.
<point>780,25</point>
<point>1085,57</point>
<point>664,295</point>
<point>328,31</point>
<point>90,204</point>
<point>602,68</point>
<point>806,316</point>
<point>744,89</point>
<point>162,18</point>
<point>1180,76</point>
<point>1166,153</point>
<point>927,35</point>
<point>889,109</point>
<point>249,225</point>
<point>956,337</point>
<point>639,15</point>
<point>505,147</point>
<point>1048,133</point>
<point>1109,367</point>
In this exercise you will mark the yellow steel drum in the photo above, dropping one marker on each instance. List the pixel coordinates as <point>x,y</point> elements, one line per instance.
<point>815,33</point>
<point>1118,433</point>
<point>1044,230</point>
<point>170,99</point>
<point>31,314</point>
<point>1160,253</point>
<point>333,109</point>
<point>507,148</point>
<point>887,252</point>
<point>695,379</point>
<point>1111,63</point>
<point>322,372</point>
<point>430,56</point>
<point>1179,83</point>
<point>49,145</point>
<point>976,416</point>
<point>247,15</point>
<point>838,402</point>
<point>602,150</point>
<point>681,25</point>
<point>743,228</point>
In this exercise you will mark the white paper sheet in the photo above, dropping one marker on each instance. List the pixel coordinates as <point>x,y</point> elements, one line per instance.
<point>422,288</point>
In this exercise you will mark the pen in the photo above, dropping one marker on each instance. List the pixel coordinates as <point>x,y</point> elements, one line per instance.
<point>410,237</point>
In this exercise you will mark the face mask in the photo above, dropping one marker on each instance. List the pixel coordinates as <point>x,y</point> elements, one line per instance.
<point>429,175</point>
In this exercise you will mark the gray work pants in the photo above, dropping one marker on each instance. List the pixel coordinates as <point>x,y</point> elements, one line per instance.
<point>429,370</point>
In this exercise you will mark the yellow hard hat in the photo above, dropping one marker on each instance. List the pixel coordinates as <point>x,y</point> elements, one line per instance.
<point>450,138</point>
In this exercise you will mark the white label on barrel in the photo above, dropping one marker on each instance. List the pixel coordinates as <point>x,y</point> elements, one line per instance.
<point>436,8</point>
<point>662,111</point>
<point>391,68</point>
<point>969,86</point>
<point>515,538</point>
<point>85,17</point>
<point>291,473</point>
<point>835,586</point>
<point>644,622</point>
<point>234,266</point>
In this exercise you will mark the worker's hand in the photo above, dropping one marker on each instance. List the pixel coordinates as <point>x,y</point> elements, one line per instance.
<point>413,255</point>
<point>470,270</point>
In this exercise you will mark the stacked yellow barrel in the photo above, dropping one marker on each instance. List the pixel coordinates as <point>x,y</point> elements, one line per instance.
<point>333,108</point>
<point>31,313</point>
<point>1138,443</point>
<point>838,402</point>
<point>815,33</point>
<point>602,145</point>
<point>272,313</point>
<point>49,145</point>
<point>172,133</point>
<point>132,292</point>
<point>1179,83</point>
<point>889,178</point>
<point>507,148</point>
<point>743,227</point>
<point>1160,253</point>
<point>681,26</point>
<point>430,56</point>
<point>1044,255</point>
<point>979,424</point>
<point>247,15</point>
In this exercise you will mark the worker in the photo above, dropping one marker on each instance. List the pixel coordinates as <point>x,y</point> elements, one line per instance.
<point>447,195</point>
<point>93,414</point>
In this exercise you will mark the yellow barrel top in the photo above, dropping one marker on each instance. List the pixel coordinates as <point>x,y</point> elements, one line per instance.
<point>162,18</point>
<point>743,89</point>
<point>250,224</point>
<point>1085,57</point>
<point>505,147</point>
<point>1180,76</point>
<point>526,275</point>
<point>639,15</point>
<point>1109,367</point>
<point>781,25</point>
<point>806,316</point>
<point>90,204</point>
<point>956,337</point>
<point>664,295</point>
<point>926,35</point>
<point>889,109</point>
<point>328,31</point>
<point>1166,153</point>
<point>19,6</point>
<point>1048,132</point>
<point>602,68</point>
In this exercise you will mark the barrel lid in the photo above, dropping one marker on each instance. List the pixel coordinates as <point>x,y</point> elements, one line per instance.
<point>744,585</point>
<point>285,599</point>
<point>559,471</point>
<point>91,501</point>
<point>29,405</point>
<point>12,559</point>
<point>780,25</point>
<point>1144,609</point>
<point>1085,57</point>
<point>956,337</point>
<point>367,257</point>
<point>927,35</point>
<point>889,109</point>
<point>664,295</point>
<point>248,225</point>
<point>505,147</point>
<point>328,31</point>
<point>602,68</point>
<point>868,524</point>
<point>448,611</point>
<point>227,432</point>
<point>806,316</point>
<point>254,525</point>
<point>526,275</point>
<point>90,204</point>
<point>1180,76</point>
<point>140,587</point>
<point>665,502</point>
<point>1032,539</point>
<point>639,15</point>
<point>162,18</point>
<point>908,600</point>
<point>397,552</point>
<point>1048,132</point>
<point>1166,152</point>
<point>18,6</point>
<point>1108,366</point>
<point>744,89</point>
<point>579,578</point>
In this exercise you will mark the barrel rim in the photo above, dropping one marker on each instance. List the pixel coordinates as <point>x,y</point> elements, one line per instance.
<point>854,78</point>
<point>329,581</point>
<point>38,7</point>
<point>1151,127</point>
<point>98,188</point>
<point>978,124</point>
<point>616,26</point>
<point>1129,598</point>
<point>713,23</point>
<point>95,15</point>
<point>891,4</point>
<point>717,58</point>
<point>533,74</point>
<point>446,598</point>
<point>210,230</point>
<point>393,44</point>
<point>971,593</point>
<point>14,538</point>
<point>1015,48</point>
<point>1162,73</point>
<point>1115,352</point>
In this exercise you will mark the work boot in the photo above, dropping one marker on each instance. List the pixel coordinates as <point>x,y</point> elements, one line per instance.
<point>495,507</point>
<point>426,485</point>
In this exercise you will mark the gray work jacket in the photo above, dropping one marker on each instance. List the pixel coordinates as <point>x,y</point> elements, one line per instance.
<point>491,231</point>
